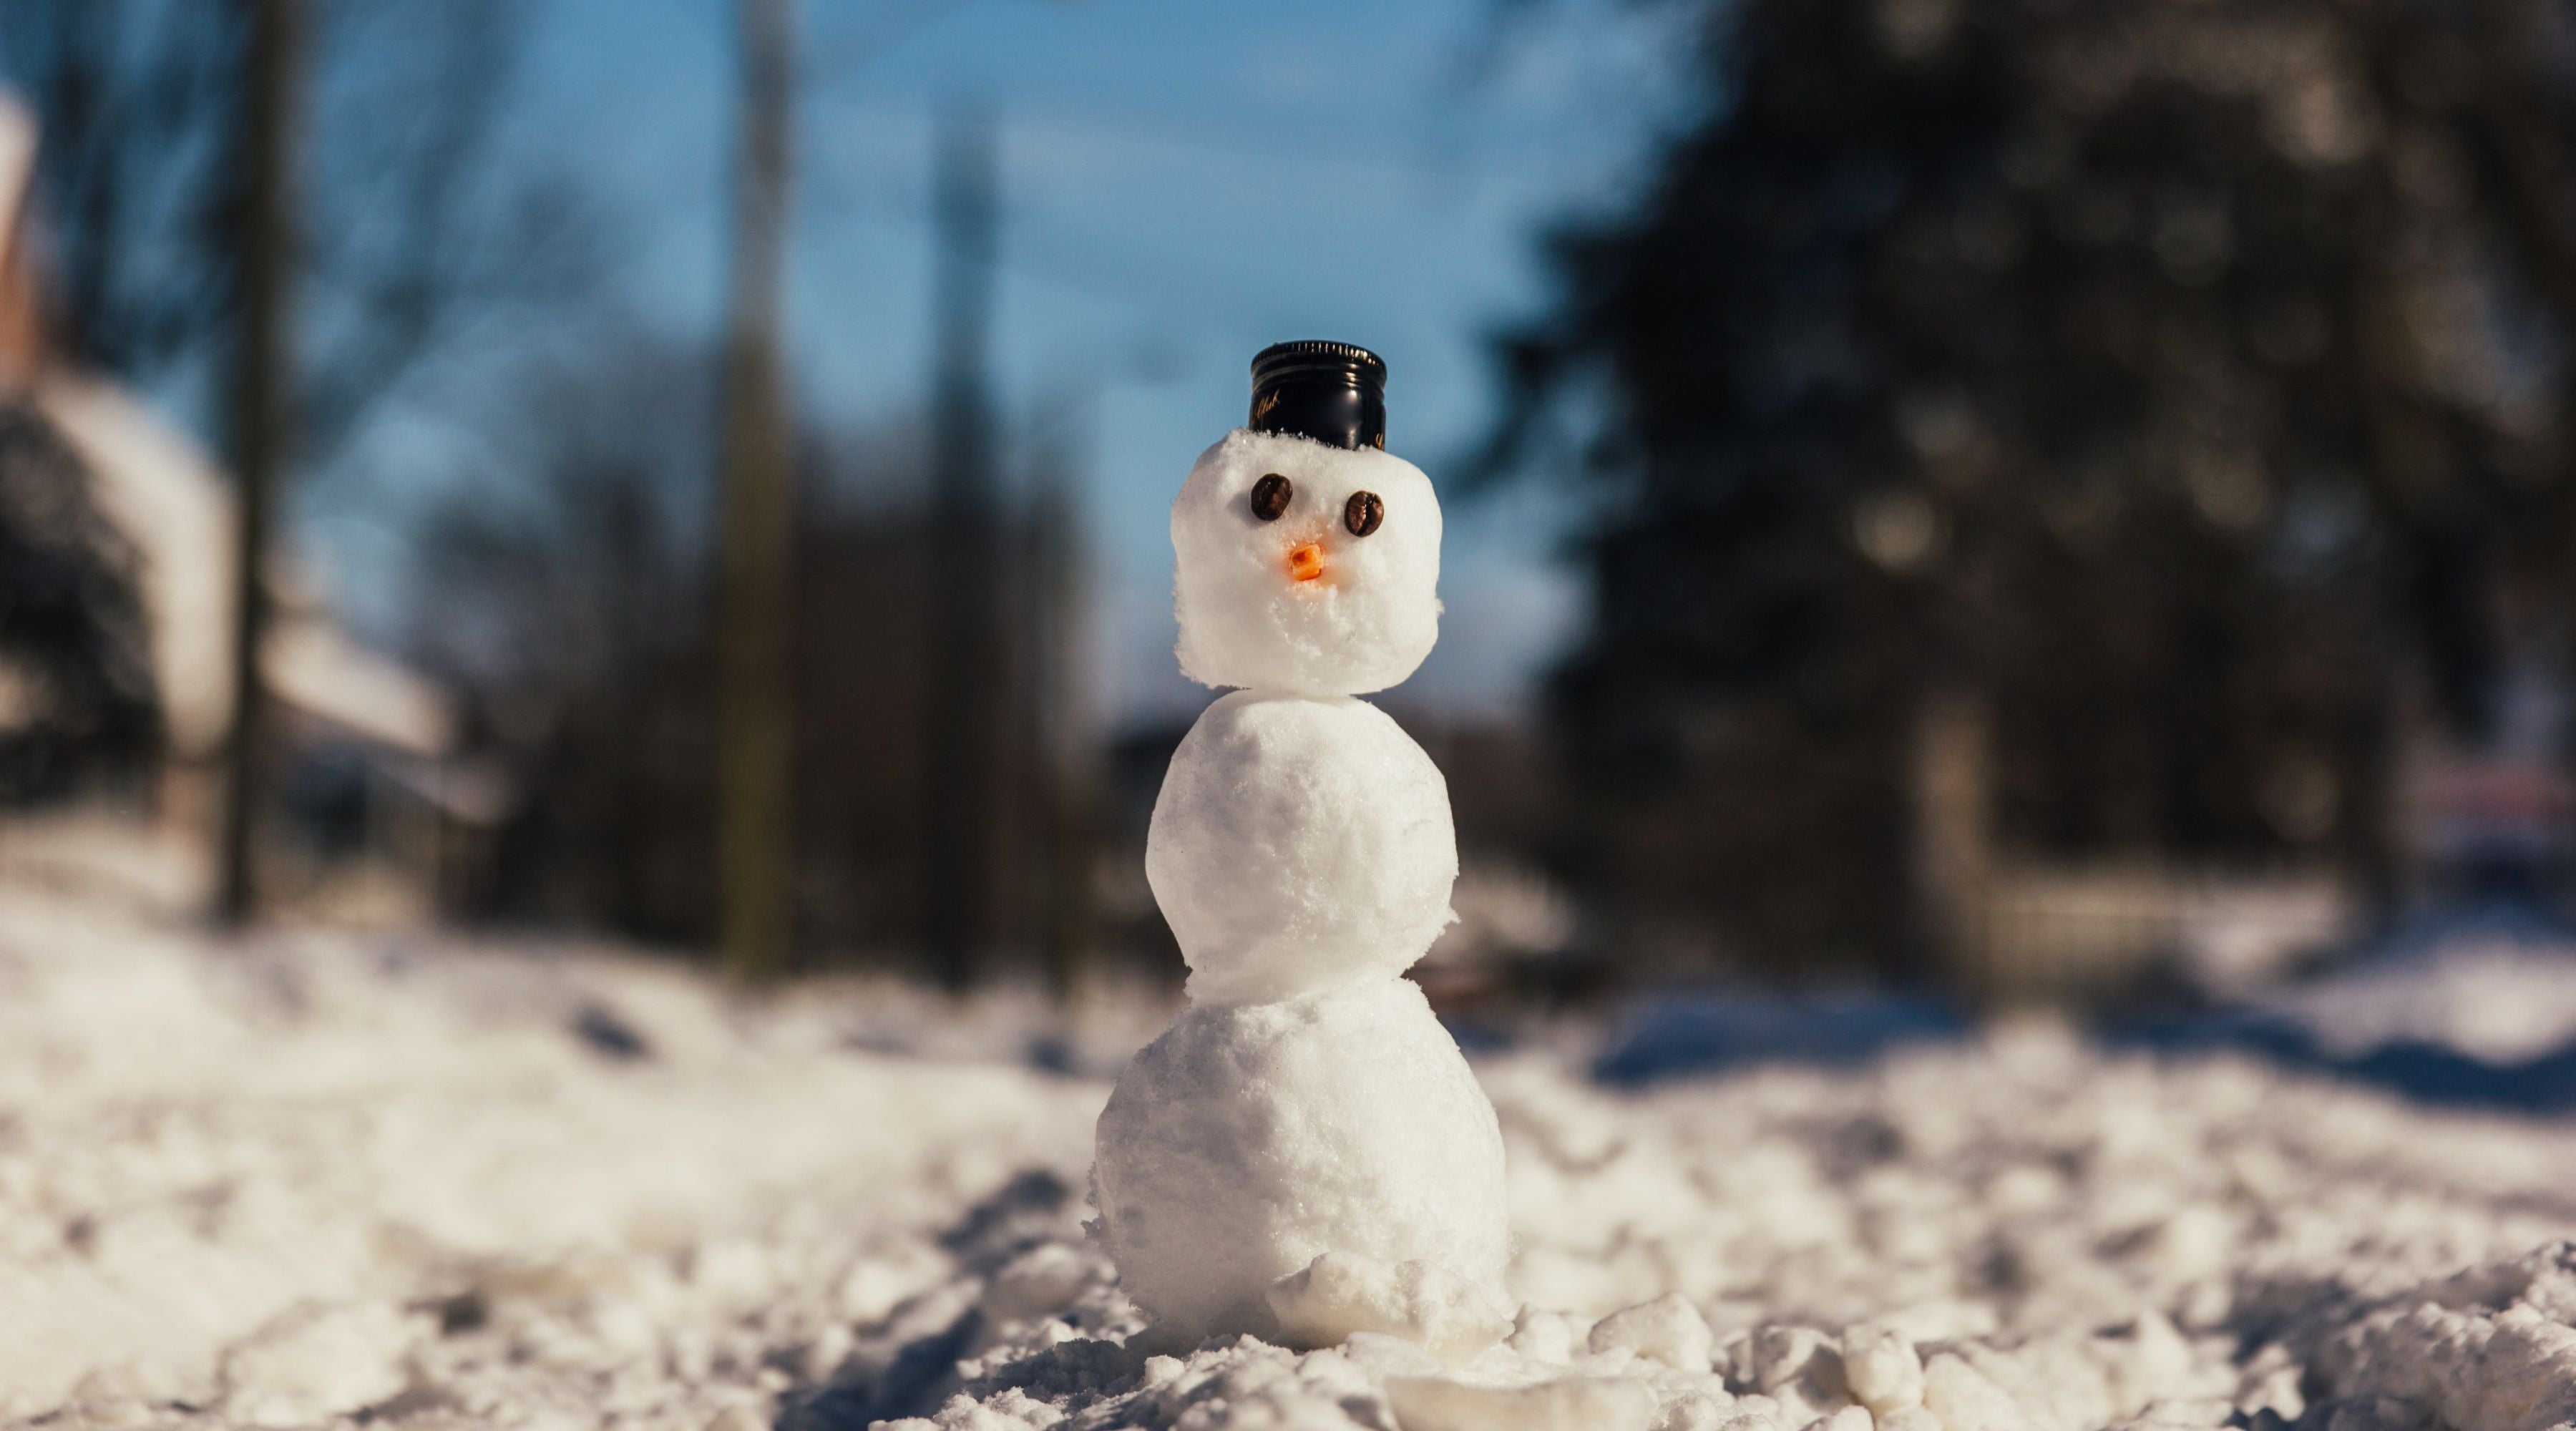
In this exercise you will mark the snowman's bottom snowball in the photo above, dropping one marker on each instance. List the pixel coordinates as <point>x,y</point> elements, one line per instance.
<point>1341,1293</point>
<point>1251,1139</point>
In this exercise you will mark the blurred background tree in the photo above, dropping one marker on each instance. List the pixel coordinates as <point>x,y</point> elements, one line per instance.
<point>414,241</point>
<point>2157,408</point>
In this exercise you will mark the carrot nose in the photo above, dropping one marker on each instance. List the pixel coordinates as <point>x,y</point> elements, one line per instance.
<point>1306,563</point>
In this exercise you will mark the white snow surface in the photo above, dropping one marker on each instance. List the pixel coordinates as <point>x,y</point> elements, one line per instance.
<point>324,1180</point>
<point>2504,1000</point>
<point>1366,618</point>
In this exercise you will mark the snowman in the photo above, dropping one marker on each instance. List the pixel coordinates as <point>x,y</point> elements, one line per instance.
<point>1305,1153</point>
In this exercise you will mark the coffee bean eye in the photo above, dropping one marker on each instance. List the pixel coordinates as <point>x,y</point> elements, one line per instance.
<point>1270,496</point>
<point>1363,513</point>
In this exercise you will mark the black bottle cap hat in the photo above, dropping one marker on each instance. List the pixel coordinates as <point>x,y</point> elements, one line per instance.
<point>1332,392</point>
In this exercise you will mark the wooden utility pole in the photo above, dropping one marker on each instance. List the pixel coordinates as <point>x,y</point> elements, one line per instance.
<point>965,645</point>
<point>1062,736</point>
<point>755,829</point>
<point>265,230</point>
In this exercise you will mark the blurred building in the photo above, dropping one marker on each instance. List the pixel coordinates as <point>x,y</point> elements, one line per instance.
<point>365,764</point>
<point>2014,925</point>
<point>2476,819</point>
<point>2495,817</point>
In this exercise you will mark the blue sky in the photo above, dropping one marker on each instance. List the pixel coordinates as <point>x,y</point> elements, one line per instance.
<point>1182,183</point>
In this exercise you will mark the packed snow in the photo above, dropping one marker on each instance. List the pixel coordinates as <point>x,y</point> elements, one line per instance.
<point>315,1178</point>
<point>2502,990</point>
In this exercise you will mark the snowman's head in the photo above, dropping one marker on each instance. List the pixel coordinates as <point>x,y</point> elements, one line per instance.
<point>1303,568</point>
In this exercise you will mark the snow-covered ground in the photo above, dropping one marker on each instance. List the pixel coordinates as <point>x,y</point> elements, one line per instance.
<point>315,1177</point>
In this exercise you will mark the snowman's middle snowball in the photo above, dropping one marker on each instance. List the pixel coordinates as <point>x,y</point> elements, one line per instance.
<point>1299,844</point>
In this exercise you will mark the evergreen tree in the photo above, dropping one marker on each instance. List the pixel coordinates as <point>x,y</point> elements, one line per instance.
<point>2175,382</point>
